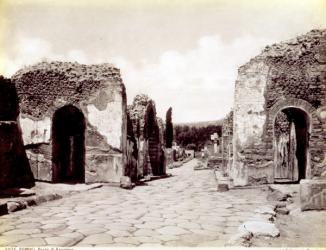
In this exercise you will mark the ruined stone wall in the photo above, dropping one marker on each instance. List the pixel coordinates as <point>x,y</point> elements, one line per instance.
<point>289,74</point>
<point>15,170</point>
<point>132,151</point>
<point>98,92</point>
<point>148,130</point>
<point>161,146</point>
<point>226,142</point>
<point>137,111</point>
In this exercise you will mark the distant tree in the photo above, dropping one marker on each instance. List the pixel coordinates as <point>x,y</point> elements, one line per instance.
<point>168,129</point>
<point>198,136</point>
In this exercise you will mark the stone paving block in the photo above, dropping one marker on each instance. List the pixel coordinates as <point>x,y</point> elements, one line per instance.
<point>172,230</point>
<point>65,231</point>
<point>149,225</point>
<point>150,245</point>
<point>82,225</point>
<point>120,227</point>
<point>102,238</point>
<point>195,239</point>
<point>177,243</point>
<point>74,235</point>
<point>91,231</point>
<point>213,227</point>
<point>31,242</point>
<point>230,229</point>
<point>146,239</point>
<point>9,240</point>
<point>28,225</point>
<point>5,228</point>
<point>151,219</point>
<point>117,233</point>
<point>165,238</point>
<point>42,235</point>
<point>127,240</point>
<point>61,241</point>
<point>22,231</point>
<point>145,232</point>
<point>189,225</point>
<point>214,243</point>
<point>54,227</point>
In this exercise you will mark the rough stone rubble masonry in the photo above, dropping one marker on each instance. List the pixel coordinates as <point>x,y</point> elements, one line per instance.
<point>148,131</point>
<point>279,114</point>
<point>14,166</point>
<point>73,121</point>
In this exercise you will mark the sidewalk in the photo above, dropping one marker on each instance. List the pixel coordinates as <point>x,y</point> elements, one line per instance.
<point>15,199</point>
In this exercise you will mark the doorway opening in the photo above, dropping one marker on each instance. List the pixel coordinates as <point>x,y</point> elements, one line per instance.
<point>68,145</point>
<point>291,145</point>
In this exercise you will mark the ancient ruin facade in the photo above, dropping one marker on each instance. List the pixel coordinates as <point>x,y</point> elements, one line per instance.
<point>14,166</point>
<point>148,131</point>
<point>279,121</point>
<point>226,142</point>
<point>73,119</point>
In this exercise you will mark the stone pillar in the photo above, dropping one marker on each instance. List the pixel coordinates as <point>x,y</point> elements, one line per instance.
<point>214,138</point>
<point>15,170</point>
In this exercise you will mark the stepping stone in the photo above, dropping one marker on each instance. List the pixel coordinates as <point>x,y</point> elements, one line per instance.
<point>282,210</point>
<point>266,210</point>
<point>242,238</point>
<point>260,228</point>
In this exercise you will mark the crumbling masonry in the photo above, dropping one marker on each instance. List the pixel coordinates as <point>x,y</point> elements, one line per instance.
<point>148,133</point>
<point>73,119</point>
<point>279,120</point>
<point>14,166</point>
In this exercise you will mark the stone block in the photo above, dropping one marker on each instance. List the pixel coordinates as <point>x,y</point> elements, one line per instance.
<point>282,210</point>
<point>3,209</point>
<point>278,196</point>
<point>45,170</point>
<point>313,194</point>
<point>125,182</point>
<point>242,238</point>
<point>103,168</point>
<point>260,228</point>
<point>222,187</point>
<point>266,210</point>
<point>15,170</point>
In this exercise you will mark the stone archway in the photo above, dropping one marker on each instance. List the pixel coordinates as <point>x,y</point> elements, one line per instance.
<point>68,145</point>
<point>291,144</point>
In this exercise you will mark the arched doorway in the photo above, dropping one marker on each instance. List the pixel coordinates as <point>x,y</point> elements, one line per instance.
<point>68,145</point>
<point>291,145</point>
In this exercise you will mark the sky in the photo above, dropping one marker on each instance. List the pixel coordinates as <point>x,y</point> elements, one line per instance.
<point>182,53</point>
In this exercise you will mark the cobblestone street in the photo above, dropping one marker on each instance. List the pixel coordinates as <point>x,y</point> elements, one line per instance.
<point>183,210</point>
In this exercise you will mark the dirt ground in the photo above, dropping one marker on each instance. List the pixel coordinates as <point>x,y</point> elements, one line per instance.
<point>298,229</point>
